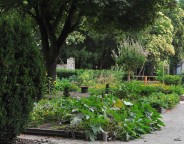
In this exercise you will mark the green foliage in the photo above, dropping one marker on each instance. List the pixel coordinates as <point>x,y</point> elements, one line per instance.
<point>178,89</point>
<point>94,52</point>
<point>21,76</point>
<point>136,14</point>
<point>157,94</point>
<point>158,41</point>
<point>130,55</point>
<point>181,3</point>
<point>56,19</point>
<point>147,90</point>
<point>64,73</point>
<point>65,83</point>
<point>161,37</point>
<point>90,77</point>
<point>172,79</point>
<point>166,101</point>
<point>161,71</point>
<point>49,86</point>
<point>142,119</point>
<point>128,90</point>
<point>122,119</point>
<point>177,17</point>
<point>136,90</point>
<point>167,79</point>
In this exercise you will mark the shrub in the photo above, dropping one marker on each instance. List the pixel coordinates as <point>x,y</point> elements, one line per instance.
<point>128,90</point>
<point>149,89</point>
<point>90,77</point>
<point>135,90</point>
<point>61,84</point>
<point>172,79</point>
<point>178,89</point>
<point>166,101</point>
<point>64,73</point>
<point>21,76</point>
<point>130,55</point>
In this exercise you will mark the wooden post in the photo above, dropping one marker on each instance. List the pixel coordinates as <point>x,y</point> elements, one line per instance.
<point>145,80</point>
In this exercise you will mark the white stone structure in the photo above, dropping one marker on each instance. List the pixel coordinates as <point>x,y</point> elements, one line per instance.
<point>63,66</point>
<point>70,63</point>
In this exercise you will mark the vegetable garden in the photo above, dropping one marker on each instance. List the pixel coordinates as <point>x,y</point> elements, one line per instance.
<point>126,112</point>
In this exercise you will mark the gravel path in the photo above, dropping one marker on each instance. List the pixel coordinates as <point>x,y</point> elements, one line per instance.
<point>172,133</point>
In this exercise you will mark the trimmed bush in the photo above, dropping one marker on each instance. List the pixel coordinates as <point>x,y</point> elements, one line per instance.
<point>172,79</point>
<point>178,89</point>
<point>166,101</point>
<point>135,90</point>
<point>64,73</point>
<point>21,76</point>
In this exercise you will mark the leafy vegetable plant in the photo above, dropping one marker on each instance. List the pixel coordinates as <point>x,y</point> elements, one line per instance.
<point>121,119</point>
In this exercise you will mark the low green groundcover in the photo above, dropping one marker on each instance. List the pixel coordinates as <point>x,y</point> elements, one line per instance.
<point>121,119</point>
<point>167,101</point>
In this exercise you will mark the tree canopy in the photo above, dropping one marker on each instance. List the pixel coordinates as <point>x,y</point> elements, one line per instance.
<point>131,55</point>
<point>57,19</point>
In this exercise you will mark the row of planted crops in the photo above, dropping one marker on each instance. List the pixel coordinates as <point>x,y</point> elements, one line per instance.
<point>125,110</point>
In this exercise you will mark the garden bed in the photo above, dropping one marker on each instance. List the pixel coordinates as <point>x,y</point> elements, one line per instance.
<point>91,117</point>
<point>65,133</point>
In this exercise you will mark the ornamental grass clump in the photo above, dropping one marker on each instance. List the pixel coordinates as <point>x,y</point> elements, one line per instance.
<point>21,76</point>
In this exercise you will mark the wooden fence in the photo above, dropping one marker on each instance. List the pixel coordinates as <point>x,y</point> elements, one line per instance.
<point>147,79</point>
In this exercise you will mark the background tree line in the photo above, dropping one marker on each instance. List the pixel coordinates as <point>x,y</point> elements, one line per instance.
<point>55,20</point>
<point>163,40</point>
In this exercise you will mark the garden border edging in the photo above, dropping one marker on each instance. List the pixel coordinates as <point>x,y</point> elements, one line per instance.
<point>65,133</point>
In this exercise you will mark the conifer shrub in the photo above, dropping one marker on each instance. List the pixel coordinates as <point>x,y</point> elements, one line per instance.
<point>21,76</point>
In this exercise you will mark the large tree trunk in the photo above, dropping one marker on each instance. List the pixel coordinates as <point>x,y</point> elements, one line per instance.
<point>48,25</point>
<point>50,52</point>
<point>51,68</point>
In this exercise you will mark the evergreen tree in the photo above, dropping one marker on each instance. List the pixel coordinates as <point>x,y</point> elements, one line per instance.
<point>21,76</point>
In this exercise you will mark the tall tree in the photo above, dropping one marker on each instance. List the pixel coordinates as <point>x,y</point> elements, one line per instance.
<point>57,19</point>
<point>177,18</point>
<point>90,49</point>
<point>157,39</point>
